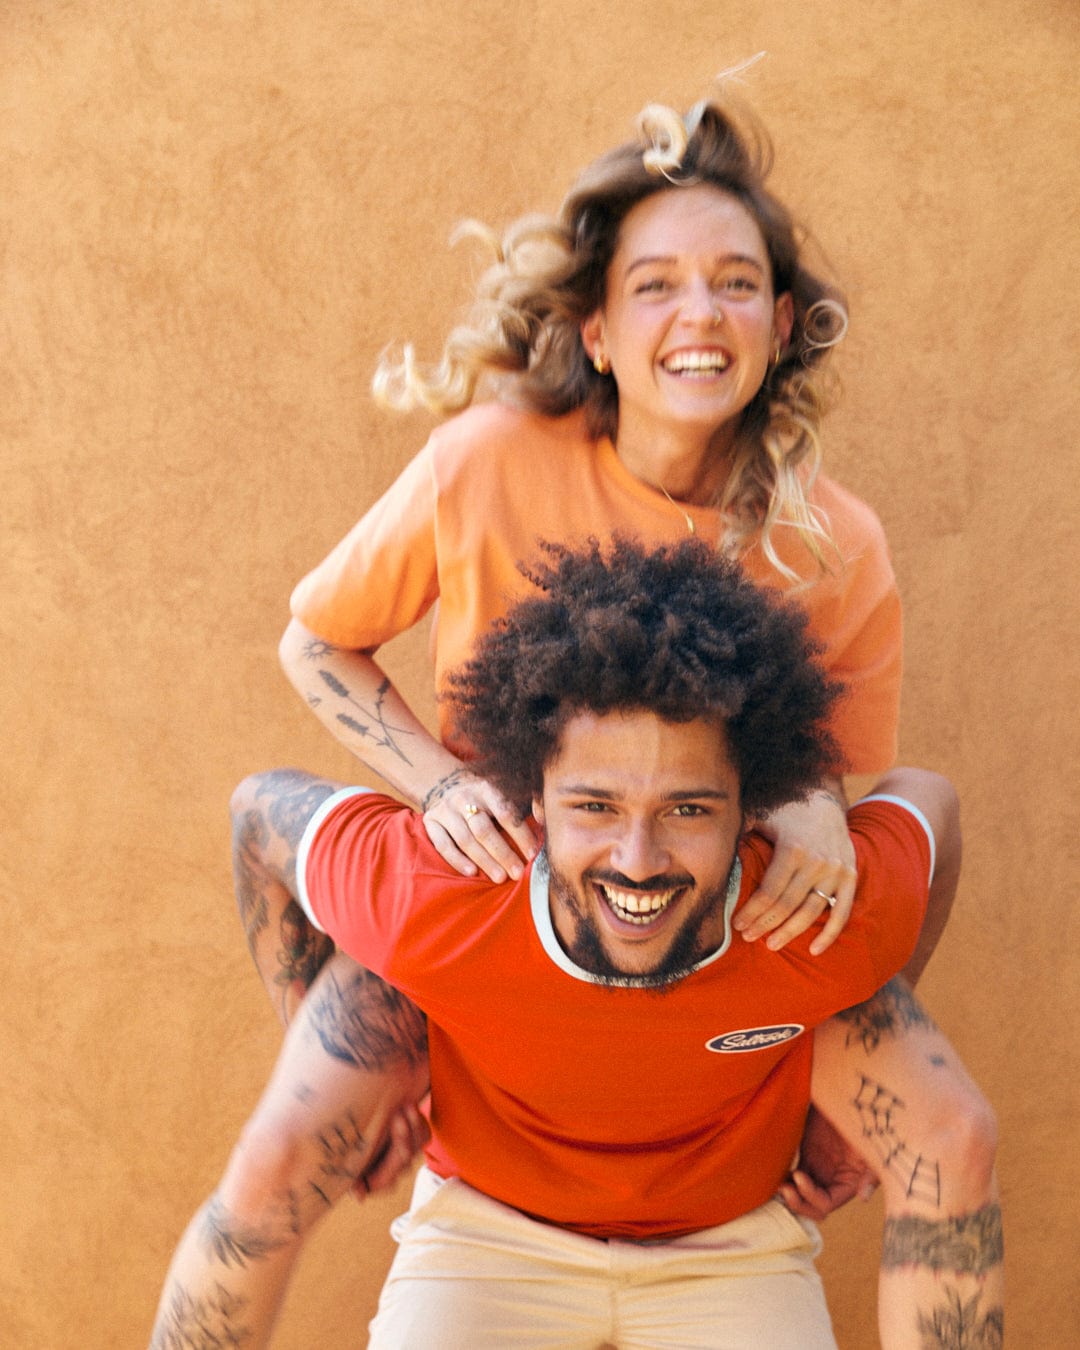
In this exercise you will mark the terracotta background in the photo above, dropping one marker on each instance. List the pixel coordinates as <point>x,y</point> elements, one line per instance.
<point>212,216</point>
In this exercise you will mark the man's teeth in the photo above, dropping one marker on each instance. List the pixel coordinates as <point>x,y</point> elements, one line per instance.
<point>634,907</point>
<point>709,362</point>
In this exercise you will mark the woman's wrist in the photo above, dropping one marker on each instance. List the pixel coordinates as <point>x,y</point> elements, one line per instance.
<point>439,789</point>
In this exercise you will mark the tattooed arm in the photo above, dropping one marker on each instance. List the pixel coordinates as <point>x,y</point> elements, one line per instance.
<point>354,699</point>
<point>356,702</point>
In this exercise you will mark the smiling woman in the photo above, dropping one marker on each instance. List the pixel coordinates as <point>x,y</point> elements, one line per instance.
<point>688,327</point>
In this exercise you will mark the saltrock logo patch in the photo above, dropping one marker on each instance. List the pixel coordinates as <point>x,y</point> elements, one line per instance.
<point>754,1038</point>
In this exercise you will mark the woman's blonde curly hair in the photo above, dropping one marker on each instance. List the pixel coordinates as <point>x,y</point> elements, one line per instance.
<point>549,275</point>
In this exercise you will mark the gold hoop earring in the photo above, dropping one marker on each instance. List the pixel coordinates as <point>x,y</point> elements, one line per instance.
<point>777,355</point>
<point>600,365</point>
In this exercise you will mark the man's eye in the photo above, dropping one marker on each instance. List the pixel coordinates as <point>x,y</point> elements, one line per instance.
<point>689,809</point>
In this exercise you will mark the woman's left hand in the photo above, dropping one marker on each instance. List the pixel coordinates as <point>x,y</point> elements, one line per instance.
<point>812,869</point>
<point>828,1174</point>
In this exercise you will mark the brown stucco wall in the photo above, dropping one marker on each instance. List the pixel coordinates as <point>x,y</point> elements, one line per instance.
<point>211,218</point>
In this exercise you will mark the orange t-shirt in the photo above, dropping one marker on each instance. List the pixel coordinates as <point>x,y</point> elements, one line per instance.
<point>494,480</point>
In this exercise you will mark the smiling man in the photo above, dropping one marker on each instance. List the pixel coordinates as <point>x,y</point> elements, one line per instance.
<point>641,819</point>
<point>618,1088</point>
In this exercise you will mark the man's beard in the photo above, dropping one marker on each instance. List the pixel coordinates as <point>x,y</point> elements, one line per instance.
<point>587,951</point>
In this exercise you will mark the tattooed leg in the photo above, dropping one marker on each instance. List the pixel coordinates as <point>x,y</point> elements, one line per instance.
<point>269,814</point>
<point>354,1056</point>
<point>894,1087</point>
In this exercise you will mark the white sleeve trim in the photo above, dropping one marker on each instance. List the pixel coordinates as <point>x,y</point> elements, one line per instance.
<point>312,828</point>
<point>913,810</point>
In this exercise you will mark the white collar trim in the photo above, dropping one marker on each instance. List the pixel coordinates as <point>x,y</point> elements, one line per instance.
<point>540,903</point>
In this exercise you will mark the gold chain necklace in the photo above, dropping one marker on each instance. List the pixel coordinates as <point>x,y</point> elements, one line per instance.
<point>685,513</point>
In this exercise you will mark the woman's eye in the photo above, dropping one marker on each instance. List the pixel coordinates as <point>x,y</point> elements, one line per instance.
<point>653,285</point>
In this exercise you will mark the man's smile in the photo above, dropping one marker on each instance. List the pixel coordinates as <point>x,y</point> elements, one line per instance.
<point>640,906</point>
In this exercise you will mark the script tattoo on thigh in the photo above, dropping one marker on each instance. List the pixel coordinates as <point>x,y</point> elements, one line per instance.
<point>367,1023</point>
<point>879,1110</point>
<point>893,1010</point>
<point>970,1244</point>
<point>959,1323</point>
<point>211,1323</point>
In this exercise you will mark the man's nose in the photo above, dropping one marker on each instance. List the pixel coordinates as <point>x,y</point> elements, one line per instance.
<point>639,851</point>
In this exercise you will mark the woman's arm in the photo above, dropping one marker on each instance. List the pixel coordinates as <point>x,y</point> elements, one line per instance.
<point>354,699</point>
<point>358,704</point>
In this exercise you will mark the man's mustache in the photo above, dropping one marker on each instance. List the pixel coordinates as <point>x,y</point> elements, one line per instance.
<point>665,881</point>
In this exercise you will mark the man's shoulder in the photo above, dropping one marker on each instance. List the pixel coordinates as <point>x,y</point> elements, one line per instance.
<point>387,839</point>
<point>893,839</point>
<point>362,820</point>
<point>368,874</point>
<point>890,812</point>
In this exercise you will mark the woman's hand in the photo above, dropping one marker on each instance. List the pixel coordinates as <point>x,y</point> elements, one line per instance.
<point>472,825</point>
<point>829,1172</point>
<point>812,869</point>
<point>407,1135</point>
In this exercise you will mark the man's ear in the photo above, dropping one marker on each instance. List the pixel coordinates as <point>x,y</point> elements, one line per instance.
<point>538,811</point>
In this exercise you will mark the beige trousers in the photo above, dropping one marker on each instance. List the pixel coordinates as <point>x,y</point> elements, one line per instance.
<point>473,1274</point>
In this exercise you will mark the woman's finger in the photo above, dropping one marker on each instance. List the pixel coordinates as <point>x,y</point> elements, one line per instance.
<point>839,913</point>
<point>447,849</point>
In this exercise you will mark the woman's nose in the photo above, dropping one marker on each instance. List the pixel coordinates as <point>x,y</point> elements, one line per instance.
<point>699,303</point>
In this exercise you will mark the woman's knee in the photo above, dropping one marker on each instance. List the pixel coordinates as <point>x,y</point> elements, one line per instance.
<point>270,1184</point>
<point>949,1159</point>
<point>966,1136</point>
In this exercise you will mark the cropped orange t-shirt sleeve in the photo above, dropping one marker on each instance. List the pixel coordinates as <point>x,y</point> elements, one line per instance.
<point>383,576</point>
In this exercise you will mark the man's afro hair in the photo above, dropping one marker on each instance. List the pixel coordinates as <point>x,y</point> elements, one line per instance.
<point>677,631</point>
